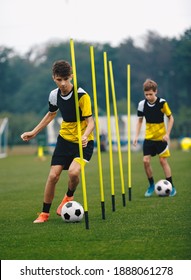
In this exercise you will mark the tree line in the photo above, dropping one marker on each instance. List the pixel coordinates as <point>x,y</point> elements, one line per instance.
<point>25,80</point>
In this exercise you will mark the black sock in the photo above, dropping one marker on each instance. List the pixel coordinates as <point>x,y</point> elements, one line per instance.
<point>151,181</point>
<point>70,193</point>
<point>170,180</point>
<point>46,207</point>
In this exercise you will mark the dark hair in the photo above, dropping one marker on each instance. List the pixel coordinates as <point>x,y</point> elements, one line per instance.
<point>61,68</point>
<point>150,85</point>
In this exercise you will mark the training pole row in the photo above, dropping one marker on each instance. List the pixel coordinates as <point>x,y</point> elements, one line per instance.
<point>106,66</point>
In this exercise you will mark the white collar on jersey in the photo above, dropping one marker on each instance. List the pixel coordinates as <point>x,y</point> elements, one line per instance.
<point>68,96</point>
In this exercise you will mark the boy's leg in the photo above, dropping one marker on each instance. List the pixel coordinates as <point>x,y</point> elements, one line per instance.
<point>167,171</point>
<point>147,166</point>
<point>74,170</point>
<point>166,167</point>
<point>74,175</point>
<point>149,173</point>
<point>52,179</point>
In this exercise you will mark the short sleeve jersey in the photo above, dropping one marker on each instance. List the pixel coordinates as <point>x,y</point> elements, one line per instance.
<point>154,116</point>
<point>66,105</point>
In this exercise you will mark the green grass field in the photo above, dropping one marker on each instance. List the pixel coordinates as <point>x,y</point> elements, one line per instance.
<point>146,229</point>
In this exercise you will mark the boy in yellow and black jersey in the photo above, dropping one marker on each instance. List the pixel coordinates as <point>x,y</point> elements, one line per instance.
<point>153,109</point>
<point>66,105</point>
<point>66,155</point>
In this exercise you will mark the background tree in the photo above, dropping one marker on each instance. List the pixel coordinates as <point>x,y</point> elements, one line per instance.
<point>25,81</point>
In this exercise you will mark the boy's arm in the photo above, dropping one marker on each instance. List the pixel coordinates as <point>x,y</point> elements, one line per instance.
<point>169,128</point>
<point>89,129</point>
<point>138,129</point>
<point>26,136</point>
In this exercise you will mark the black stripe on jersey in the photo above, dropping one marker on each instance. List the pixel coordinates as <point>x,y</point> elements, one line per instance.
<point>67,107</point>
<point>153,113</point>
<point>52,108</point>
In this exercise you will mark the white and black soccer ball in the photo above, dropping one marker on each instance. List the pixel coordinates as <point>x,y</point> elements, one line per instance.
<point>163,188</point>
<point>72,212</point>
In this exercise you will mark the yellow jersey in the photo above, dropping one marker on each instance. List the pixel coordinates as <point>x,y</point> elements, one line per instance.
<point>154,116</point>
<point>66,105</point>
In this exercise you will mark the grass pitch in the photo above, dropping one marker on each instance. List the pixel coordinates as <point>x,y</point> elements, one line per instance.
<point>146,229</point>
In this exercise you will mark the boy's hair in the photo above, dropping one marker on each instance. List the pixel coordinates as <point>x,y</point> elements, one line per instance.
<point>150,85</point>
<point>61,68</point>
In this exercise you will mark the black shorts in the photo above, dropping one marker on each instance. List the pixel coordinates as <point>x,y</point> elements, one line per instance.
<point>66,151</point>
<point>153,148</point>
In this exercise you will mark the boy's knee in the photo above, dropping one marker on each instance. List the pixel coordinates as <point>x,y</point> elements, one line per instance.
<point>73,173</point>
<point>146,160</point>
<point>162,160</point>
<point>54,176</point>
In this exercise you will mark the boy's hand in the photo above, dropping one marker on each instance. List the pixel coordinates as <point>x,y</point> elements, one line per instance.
<point>165,138</point>
<point>26,136</point>
<point>135,142</point>
<point>84,141</point>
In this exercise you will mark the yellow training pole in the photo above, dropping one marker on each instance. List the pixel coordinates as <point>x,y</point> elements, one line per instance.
<point>129,126</point>
<point>79,133</point>
<point>109,131</point>
<point>117,133</point>
<point>97,131</point>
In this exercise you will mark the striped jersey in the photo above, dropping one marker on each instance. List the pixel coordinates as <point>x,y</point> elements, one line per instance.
<point>154,116</point>
<point>66,105</point>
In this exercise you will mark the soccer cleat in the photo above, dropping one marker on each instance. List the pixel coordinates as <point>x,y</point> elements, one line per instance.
<point>173,192</point>
<point>43,217</point>
<point>64,201</point>
<point>150,190</point>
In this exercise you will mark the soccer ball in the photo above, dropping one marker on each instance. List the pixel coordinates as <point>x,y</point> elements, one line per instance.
<point>163,188</point>
<point>72,212</point>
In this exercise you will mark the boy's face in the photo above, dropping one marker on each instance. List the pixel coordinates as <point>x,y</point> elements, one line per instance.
<point>150,95</point>
<point>63,83</point>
